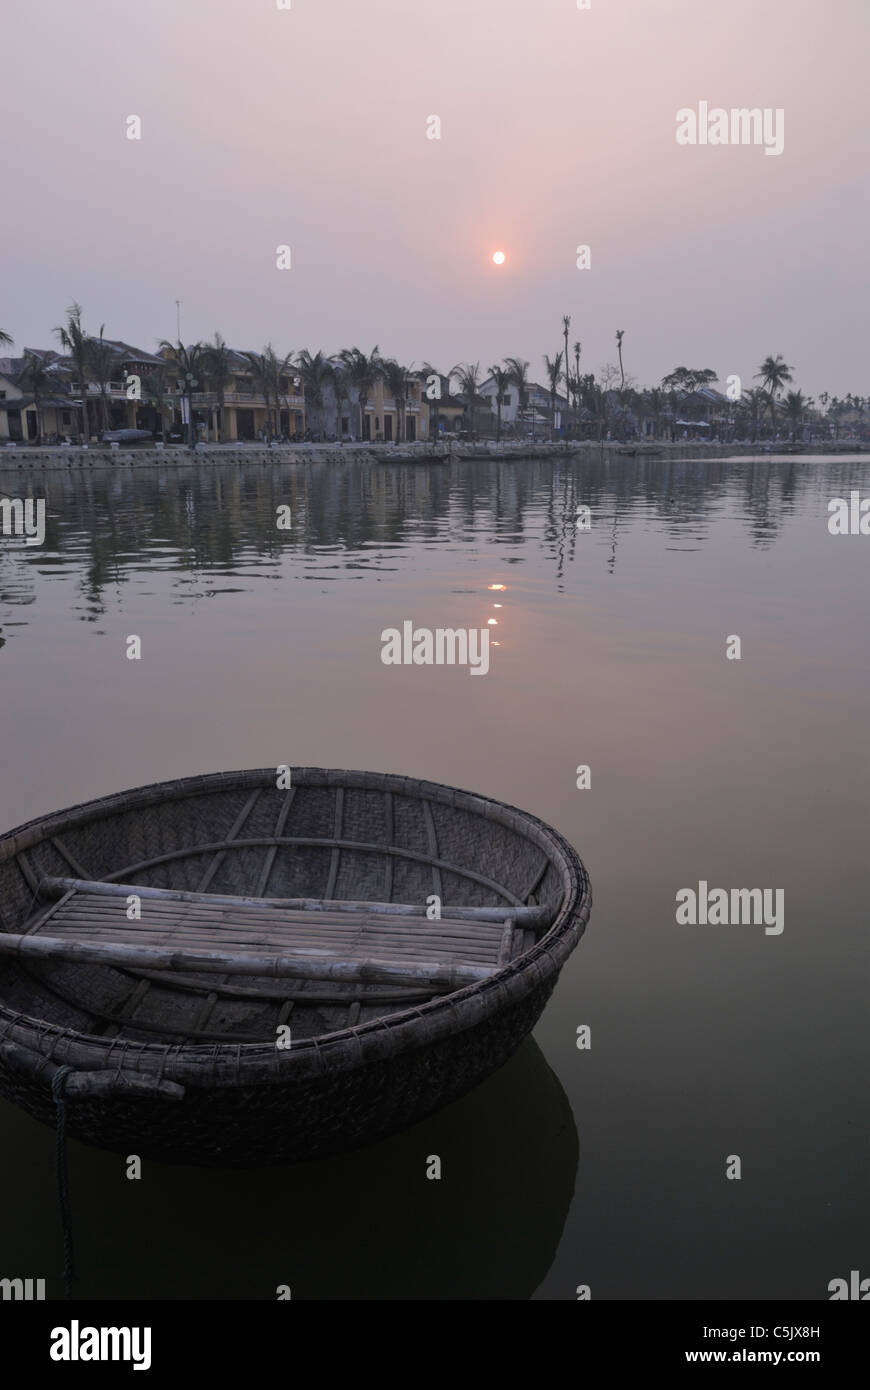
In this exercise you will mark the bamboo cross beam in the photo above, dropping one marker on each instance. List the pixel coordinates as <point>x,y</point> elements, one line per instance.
<point>51,887</point>
<point>284,965</point>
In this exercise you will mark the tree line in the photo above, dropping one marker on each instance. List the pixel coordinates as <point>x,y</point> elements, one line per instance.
<point>609,403</point>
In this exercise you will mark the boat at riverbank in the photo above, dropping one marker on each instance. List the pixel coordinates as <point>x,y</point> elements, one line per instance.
<point>639,450</point>
<point>222,971</point>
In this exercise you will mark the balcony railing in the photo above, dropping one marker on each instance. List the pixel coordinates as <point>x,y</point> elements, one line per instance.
<point>113,388</point>
<point>246,398</point>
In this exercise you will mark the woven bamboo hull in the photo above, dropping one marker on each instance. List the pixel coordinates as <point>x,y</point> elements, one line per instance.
<point>359,1068</point>
<point>242,1127</point>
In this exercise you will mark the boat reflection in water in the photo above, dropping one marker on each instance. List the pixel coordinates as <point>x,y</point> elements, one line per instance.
<point>365,1225</point>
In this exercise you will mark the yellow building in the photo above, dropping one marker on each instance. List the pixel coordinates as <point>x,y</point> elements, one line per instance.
<point>19,417</point>
<point>245,416</point>
<point>384,420</point>
<point>444,414</point>
<point>19,422</point>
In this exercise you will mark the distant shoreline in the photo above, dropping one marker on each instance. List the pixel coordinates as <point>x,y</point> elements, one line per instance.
<point>56,457</point>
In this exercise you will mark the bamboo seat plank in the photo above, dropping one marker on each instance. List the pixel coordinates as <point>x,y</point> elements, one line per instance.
<point>361,952</point>
<point>217,933</point>
<point>342,924</point>
<point>99,911</point>
<point>335,940</point>
<point>389,940</point>
<point>366,943</point>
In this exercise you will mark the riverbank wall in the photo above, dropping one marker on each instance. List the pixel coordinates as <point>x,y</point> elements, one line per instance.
<point>26,457</point>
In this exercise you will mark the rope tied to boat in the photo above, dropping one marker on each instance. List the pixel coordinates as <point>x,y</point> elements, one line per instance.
<point>58,1092</point>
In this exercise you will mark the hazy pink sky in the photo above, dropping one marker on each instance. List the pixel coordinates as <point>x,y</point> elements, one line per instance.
<point>308,127</point>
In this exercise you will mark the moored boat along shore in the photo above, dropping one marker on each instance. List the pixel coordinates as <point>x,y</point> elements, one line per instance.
<point>106,456</point>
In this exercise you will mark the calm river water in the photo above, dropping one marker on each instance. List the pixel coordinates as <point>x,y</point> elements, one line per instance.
<point>604,1167</point>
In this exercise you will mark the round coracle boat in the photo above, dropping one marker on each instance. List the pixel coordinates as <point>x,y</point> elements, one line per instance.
<point>258,967</point>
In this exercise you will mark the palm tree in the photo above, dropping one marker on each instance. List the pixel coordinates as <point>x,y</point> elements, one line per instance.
<point>518,372</point>
<point>339,379</point>
<point>155,392</point>
<point>578,348</point>
<point>757,401</point>
<point>217,364</point>
<point>5,339</point>
<point>566,324</point>
<point>37,379</point>
<point>774,373</point>
<point>620,334</point>
<point>502,378</point>
<point>260,367</point>
<point>102,360</point>
<point>314,370</point>
<point>364,371</point>
<point>795,405</point>
<point>396,378</point>
<point>75,342</point>
<point>435,404</point>
<point>189,364</point>
<point>554,372</point>
<point>468,376</point>
<point>278,371</point>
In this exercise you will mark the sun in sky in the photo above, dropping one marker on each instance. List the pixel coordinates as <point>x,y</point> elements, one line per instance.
<point>498,257</point>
